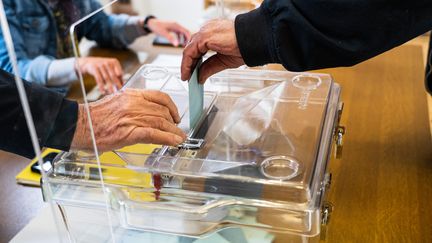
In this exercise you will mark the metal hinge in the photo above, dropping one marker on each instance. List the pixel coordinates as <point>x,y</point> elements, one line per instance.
<point>325,184</point>
<point>327,180</point>
<point>339,133</point>
<point>326,212</point>
<point>340,110</point>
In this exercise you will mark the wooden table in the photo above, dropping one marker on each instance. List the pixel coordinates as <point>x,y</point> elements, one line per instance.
<point>382,187</point>
<point>18,204</point>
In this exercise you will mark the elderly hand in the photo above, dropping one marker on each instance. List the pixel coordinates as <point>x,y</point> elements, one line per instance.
<point>107,72</point>
<point>170,30</point>
<point>215,35</point>
<point>129,117</point>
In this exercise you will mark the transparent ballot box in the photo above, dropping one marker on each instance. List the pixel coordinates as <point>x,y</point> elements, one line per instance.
<point>256,160</point>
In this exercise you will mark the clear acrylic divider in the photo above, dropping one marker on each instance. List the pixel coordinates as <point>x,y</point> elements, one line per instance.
<point>108,221</point>
<point>100,227</point>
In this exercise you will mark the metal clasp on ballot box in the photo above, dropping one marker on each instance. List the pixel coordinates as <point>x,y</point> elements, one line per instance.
<point>339,133</point>
<point>192,143</point>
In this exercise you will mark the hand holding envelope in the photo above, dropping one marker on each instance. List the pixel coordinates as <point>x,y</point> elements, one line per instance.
<point>196,97</point>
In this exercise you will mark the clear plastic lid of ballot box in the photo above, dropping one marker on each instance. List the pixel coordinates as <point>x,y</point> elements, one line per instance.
<point>255,158</point>
<point>261,128</point>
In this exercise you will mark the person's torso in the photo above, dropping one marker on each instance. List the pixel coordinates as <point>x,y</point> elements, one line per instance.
<point>44,26</point>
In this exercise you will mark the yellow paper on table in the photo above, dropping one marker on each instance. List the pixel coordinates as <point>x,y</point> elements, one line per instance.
<point>30,178</point>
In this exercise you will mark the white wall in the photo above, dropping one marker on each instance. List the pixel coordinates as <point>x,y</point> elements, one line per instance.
<point>186,12</point>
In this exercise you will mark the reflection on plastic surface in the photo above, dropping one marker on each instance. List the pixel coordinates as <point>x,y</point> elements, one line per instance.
<point>306,83</point>
<point>252,114</point>
<point>280,167</point>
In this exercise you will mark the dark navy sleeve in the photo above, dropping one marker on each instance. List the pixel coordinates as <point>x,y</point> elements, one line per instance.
<point>54,118</point>
<point>312,34</point>
<point>428,80</point>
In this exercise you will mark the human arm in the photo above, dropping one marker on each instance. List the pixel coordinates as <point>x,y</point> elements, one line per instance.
<point>54,117</point>
<point>33,65</point>
<point>129,117</point>
<point>119,31</point>
<point>125,118</point>
<point>107,72</point>
<point>311,34</point>
<point>428,76</point>
<point>36,51</point>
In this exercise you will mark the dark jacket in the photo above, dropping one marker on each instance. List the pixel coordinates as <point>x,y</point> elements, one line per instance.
<point>429,69</point>
<point>54,118</point>
<point>312,34</point>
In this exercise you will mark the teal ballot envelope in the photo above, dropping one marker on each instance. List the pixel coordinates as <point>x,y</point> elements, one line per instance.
<point>196,97</point>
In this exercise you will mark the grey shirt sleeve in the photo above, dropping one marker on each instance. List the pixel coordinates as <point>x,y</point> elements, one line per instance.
<point>61,72</point>
<point>133,29</point>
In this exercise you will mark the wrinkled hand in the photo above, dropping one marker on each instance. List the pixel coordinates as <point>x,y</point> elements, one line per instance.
<point>172,31</point>
<point>107,72</point>
<point>128,117</point>
<point>215,35</point>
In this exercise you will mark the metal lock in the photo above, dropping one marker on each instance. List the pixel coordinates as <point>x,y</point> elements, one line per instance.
<point>339,133</point>
<point>192,143</point>
<point>340,110</point>
<point>327,180</point>
<point>326,212</point>
<point>325,184</point>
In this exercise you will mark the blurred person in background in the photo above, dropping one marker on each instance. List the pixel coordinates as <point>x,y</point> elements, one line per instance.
<point>40,31</point>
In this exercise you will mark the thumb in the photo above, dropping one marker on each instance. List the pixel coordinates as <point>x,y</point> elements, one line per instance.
<point>217,63</point>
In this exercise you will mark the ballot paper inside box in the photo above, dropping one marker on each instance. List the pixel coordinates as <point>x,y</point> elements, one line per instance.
<point>256,159</point>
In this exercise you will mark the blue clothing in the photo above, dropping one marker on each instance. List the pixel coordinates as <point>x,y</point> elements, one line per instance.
<point>34,33</point>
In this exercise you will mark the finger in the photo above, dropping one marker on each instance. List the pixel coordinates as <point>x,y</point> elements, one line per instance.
<point>188,36</point>
<point>183,39</point>
<point>118,69</point>
<point>181,30</point>
<point>163,100</point>
<point>99,80</point>
<point>154,109</point>
<point>155,136</point>
<point>191,54</point>
<point>157,123</point>
<point>166,126</point>
<point>169,36</point>
<point>107,79</point>
<point>217,63</point>
<point>113,77</point>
